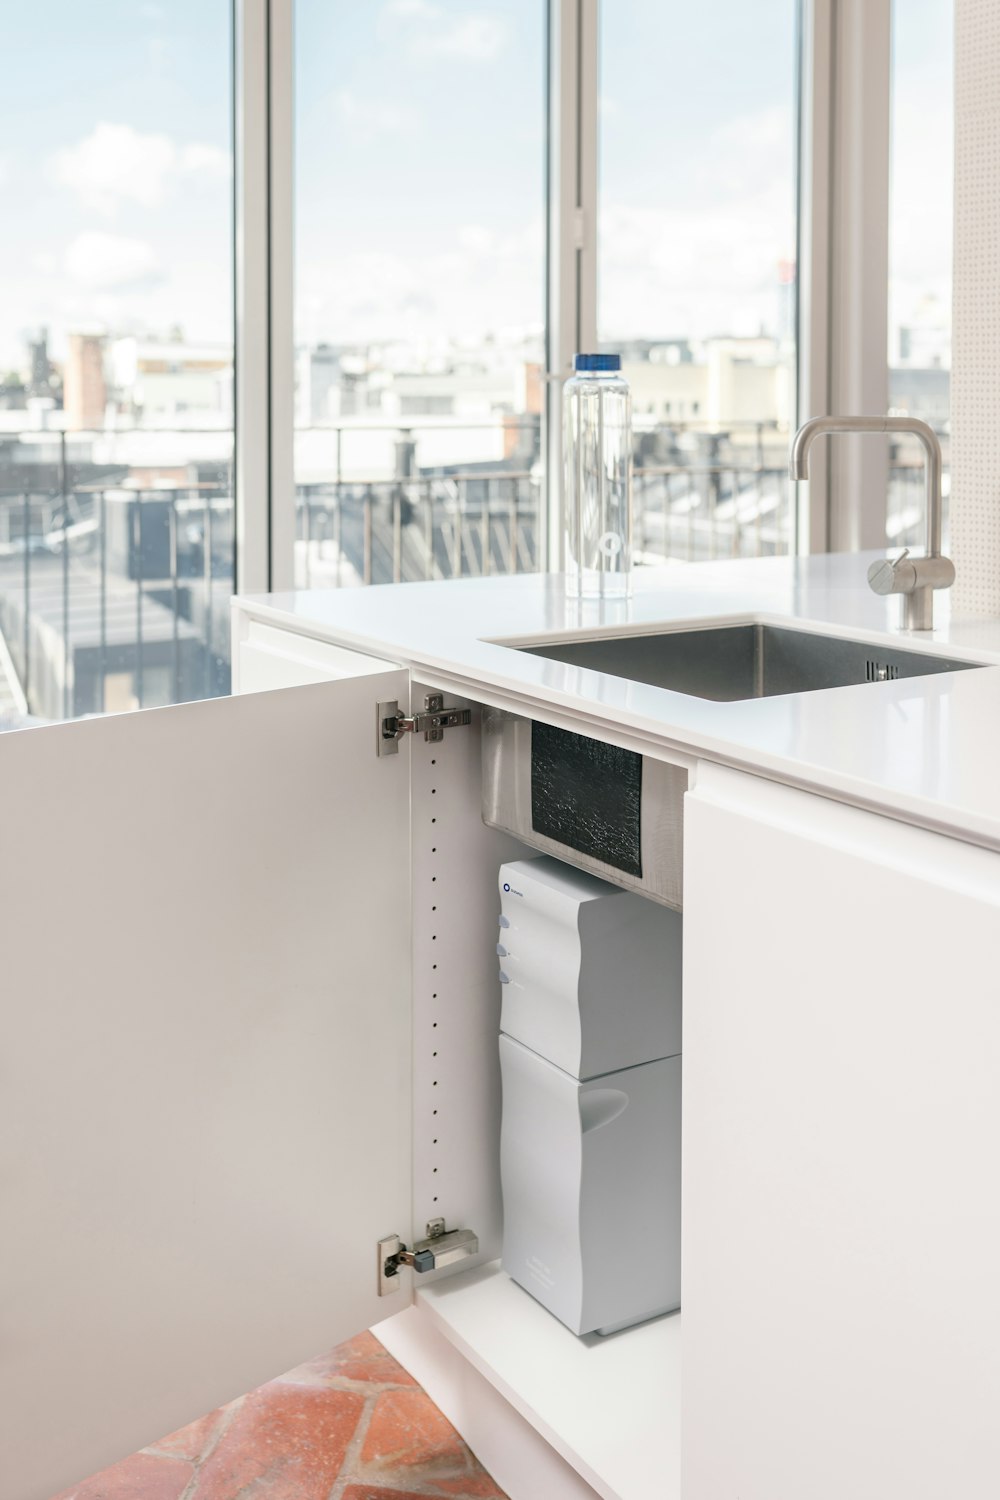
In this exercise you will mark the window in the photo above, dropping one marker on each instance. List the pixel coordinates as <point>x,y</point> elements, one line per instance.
<point>421,296</point>
<point>920,232</point>
<point>696,265</point>
<point>116,356</point>
<point>419,289</point>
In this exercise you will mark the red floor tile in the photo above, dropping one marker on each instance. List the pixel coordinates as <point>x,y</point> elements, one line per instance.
<point>409,1441</point>
<point>286,1442</point>
<point>477,1485</point>
<point>361,1358</point>
<point>376,1492</point>
<point>290,1439</point>
<point>143,1476</point>
<point>192,1441</point>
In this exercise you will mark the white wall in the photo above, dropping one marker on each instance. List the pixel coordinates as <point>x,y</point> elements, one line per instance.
<point>975,503</point>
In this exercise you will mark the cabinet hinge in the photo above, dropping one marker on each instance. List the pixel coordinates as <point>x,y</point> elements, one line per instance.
<point>432,723</point>
<point>442,1247</point>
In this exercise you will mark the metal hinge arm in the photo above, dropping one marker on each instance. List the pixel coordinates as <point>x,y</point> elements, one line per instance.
<point>440,1248</point>
<point>432,723</point>
<point>450,718</point>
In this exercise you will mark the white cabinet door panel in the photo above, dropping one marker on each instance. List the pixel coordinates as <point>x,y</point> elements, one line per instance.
<point>841,1130</point>
<point>204,1064</point>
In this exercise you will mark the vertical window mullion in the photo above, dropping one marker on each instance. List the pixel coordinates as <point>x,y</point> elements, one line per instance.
<point>281,176</point>
<point>252,460</point>
<point>265,494</point>
<point>844,236</point>
<point>816,94</point>
<point>859,328</point>
<point>572,227</point>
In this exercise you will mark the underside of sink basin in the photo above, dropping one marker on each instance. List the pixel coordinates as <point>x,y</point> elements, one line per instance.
<point>728,663</point>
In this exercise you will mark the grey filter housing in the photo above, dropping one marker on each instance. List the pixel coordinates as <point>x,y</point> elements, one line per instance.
<point>590,1060</point>
<point>591,1175</point>
<point>591,974</point>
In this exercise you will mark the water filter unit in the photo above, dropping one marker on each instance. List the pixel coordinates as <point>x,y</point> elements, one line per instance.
<point>590,1054</point>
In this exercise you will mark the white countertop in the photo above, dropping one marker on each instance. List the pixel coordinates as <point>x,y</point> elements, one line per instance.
<point>925,749</point>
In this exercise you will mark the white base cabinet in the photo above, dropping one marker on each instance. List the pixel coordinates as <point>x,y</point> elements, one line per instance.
<point>250,1029</point>
<point>523,1462</point>
<point>842,1126</point>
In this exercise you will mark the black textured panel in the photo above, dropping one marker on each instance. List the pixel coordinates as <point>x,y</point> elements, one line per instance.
<point>587,795</point>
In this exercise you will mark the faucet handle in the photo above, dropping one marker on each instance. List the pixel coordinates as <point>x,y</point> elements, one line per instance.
<point>884,576</point>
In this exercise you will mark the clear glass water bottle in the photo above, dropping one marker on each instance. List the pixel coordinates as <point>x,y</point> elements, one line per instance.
<point>597,478</point>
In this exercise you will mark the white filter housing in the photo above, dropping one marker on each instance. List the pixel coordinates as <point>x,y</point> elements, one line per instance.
<point>591,973</point>
<point>591,1180</point>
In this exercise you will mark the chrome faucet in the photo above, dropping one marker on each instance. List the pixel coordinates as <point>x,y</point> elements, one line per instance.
<point>915,578</point>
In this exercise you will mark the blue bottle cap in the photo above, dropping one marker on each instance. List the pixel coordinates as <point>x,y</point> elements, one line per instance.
<point>597,362</point>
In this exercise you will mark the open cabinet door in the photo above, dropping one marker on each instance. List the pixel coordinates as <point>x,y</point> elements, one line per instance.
<point>205,1060</point>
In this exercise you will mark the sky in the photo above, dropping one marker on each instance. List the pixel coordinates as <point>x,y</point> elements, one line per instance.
<point>115,172</point>
<point>697,174</point>
<point>921,161</point>
<point>419,167</point>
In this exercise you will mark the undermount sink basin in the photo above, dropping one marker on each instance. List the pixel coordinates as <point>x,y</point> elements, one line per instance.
<point>727,663</point>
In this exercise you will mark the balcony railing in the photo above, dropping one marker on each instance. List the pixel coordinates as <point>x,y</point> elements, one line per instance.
<point>114,589</point>
<point>114,592</point>
<point>398,531</point>
<point>718,494</point>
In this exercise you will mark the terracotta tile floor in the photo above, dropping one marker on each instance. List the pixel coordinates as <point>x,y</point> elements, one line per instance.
<point>351,1425</point>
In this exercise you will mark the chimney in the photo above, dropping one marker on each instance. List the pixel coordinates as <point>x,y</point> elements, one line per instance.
<point>84,390</point>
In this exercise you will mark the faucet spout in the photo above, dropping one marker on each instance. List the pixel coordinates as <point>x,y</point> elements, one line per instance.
<point>917,578</point>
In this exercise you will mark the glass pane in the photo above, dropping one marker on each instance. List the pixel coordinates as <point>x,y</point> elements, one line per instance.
<point>920,227</point>
<point>696,265</point>
<point>419,304</point>
<point>116,356</point>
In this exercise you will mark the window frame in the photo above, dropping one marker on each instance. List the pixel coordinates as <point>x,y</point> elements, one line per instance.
<point>845,84</point>
<point>843,221</point>
<point>263,39</point>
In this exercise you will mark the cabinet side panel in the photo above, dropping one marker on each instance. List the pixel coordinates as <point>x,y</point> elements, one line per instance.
<point>267,656</point>
<point>456,988</point>
<point>841,1228</point>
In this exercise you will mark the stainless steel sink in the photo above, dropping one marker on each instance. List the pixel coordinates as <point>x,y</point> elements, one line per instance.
<point>727,663</point>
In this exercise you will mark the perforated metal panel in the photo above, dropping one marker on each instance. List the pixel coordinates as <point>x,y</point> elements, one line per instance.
<point>578,800</point>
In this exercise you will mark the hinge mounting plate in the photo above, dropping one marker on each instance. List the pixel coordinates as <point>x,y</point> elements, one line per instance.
<point>391,725</point>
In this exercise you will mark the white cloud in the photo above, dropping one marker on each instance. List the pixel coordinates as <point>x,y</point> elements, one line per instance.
<point>111,262</point>
<point>369,117</point>
<point>476,239</point>
<point>482,281</point>
<point>206,161</point>
<point>117,164</point>
<point>692,272</point>
<point>703,259</point>
<point>480,37</point>
<point>474,39</point>
<point>411,10</point>
<point>752,152</point>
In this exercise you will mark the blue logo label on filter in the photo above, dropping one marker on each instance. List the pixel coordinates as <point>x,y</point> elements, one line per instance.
<point>506,887</point>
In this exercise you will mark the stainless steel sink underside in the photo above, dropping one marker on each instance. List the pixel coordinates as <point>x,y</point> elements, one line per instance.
<point>727,663</point>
